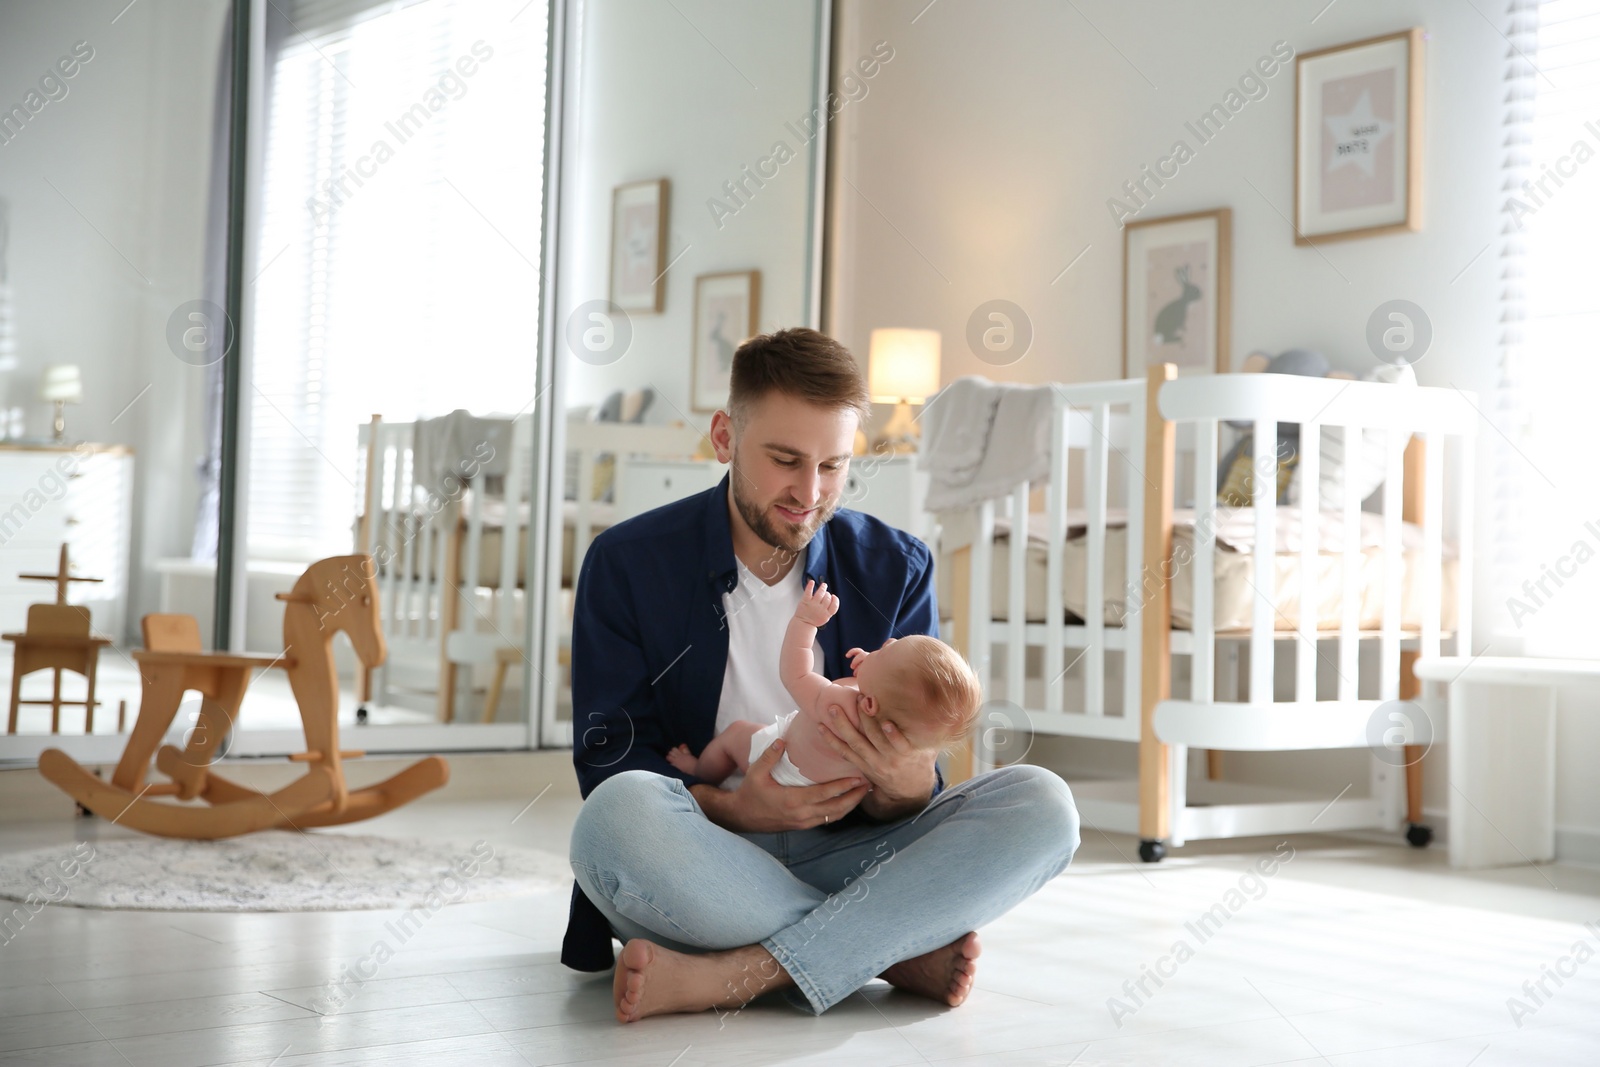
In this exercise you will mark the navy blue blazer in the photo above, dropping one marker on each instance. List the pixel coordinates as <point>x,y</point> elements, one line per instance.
<point>650,641</point>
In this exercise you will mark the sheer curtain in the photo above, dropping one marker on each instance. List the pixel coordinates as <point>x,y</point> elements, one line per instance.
<point>399,241</point>
<point>1547,477</point>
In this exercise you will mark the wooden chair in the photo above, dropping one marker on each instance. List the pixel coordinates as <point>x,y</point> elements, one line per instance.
<point>57,638</point>
<point>332,595</point>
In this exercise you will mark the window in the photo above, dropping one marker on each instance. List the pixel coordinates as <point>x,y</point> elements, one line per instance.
<point>397,268</point>
<point>1548,506</point>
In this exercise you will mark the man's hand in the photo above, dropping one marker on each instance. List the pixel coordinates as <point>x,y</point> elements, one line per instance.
<point>817,605</point>
<point>902,776</point>
<point>761,805</point>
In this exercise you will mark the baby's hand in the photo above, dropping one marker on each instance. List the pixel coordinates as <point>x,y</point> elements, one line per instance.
<point>817,606</point>
<point>855,656</point>
<point>682,760</point>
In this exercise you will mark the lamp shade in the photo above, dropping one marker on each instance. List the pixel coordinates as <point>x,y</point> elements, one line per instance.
<point>62,382</point>
<point>903,365</point>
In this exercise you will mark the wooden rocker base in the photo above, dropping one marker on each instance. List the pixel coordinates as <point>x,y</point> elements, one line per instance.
<point>259,811</point>
<point>421,777</point>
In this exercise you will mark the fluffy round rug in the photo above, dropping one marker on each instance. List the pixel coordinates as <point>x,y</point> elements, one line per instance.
<point>276,871</point>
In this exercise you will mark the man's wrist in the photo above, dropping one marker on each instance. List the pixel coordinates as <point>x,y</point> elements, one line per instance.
<point>714,801</point>
<point>884,808</point>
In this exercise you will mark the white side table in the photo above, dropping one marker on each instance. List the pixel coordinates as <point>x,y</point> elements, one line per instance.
<point>1502,752</point>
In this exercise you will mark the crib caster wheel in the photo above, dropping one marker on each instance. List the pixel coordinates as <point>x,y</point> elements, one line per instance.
<point>361,715</point>
<point>1152,851</point>
<point>1419,835</point>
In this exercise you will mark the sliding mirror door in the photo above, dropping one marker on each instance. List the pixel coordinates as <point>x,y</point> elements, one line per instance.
<point>114,133</point>
<point>394,243</point>
<point>694,135</point>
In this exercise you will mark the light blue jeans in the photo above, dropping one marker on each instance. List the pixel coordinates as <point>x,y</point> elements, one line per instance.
<point>834,905</point>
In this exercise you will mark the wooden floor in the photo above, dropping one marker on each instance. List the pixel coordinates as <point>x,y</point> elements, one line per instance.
<point>1351,953</point>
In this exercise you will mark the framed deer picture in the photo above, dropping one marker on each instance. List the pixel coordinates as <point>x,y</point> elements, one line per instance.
<point>1176,292</point>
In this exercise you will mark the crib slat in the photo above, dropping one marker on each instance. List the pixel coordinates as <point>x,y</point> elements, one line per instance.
<point>1137,587</point>
<point>582,527</point>
<point>1393,564</point>
<point>981,608</point>
<point>472,569</point>
<point>427,573</point>
<point>1203,662</point>
<point>1310,473</point>
<point>513,530</point>
<point>1433,446</point>
<point>1095,578</point>
<point>1350,571</point>
<point>1016,597</point>
<point>1263,617</point>
<point>1056,535</point>
<point>405,492</point>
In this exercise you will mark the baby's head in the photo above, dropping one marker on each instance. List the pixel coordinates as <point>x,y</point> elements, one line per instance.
<point>924,687</point>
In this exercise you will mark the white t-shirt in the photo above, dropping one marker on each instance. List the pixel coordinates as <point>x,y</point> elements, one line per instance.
<point>757,615</point>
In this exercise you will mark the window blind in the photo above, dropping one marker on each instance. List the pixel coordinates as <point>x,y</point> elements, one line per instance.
<point>1547,503</point>
<point>398,246</point>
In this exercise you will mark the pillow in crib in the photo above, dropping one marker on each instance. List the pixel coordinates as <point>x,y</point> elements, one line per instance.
<point>1368,467</point>
<point>1237,473</point>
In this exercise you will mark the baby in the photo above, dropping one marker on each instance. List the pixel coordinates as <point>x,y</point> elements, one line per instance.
<point>919,683</point>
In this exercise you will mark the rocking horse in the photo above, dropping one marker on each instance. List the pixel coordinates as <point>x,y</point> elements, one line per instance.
<point>333,594</point>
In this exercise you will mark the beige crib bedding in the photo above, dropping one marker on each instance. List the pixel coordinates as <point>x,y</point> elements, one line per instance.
<point>1234,594</point>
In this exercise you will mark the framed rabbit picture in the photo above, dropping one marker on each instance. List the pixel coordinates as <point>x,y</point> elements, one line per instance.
<point>1176,292</point>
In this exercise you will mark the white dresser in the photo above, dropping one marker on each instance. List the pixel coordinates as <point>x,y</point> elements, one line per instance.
<point>81,495</point>
<point>643,483</point>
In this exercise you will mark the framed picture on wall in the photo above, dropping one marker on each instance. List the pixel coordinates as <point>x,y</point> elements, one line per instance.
<point>1358,138</point>
<point>638,246</point>
<point>1176,292</point>
<point>726,308</point>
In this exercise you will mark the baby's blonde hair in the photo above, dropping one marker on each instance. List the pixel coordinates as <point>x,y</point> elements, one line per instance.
<point>934,685</point>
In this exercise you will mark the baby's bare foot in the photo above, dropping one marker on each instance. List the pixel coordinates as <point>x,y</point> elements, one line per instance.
<point>651,980</point>
<point>945,974</point>
<point>680,758</point>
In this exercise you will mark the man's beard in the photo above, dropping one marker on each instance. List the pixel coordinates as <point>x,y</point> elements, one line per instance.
<point>785,536</point>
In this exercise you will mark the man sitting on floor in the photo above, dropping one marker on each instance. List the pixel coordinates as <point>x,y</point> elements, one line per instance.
<point>723,893</point>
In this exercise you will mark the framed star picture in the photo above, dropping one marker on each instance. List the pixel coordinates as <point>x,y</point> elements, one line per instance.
<point>1358,138</point>
<point>639,247</point>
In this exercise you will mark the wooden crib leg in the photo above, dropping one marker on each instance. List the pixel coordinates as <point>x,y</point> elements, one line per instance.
<point>1155,664</point>
<point>1416,833</point>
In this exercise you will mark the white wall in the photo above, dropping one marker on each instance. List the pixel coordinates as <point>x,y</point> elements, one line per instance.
<point>981,166</point>
<point>100,261</point>
<point>691,91</point>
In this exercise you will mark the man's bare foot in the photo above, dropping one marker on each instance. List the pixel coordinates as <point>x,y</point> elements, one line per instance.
<point>945,974</point>
<point>651,980</point>
<point>679,757</point>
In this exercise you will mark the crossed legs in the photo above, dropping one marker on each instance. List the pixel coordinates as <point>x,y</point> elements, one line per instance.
<point>825,909</point>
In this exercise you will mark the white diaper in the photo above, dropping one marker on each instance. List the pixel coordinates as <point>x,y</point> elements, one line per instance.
<point>784,772</point>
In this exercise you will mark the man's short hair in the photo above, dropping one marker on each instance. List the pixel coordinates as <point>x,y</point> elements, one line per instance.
<point>799,362</point>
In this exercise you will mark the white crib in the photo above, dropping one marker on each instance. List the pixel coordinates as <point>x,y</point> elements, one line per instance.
<point>453,557</point>
<point>1163,434</point>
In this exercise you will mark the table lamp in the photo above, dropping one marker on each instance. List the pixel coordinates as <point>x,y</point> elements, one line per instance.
<point>903,369</point>
<point>63,384</point>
